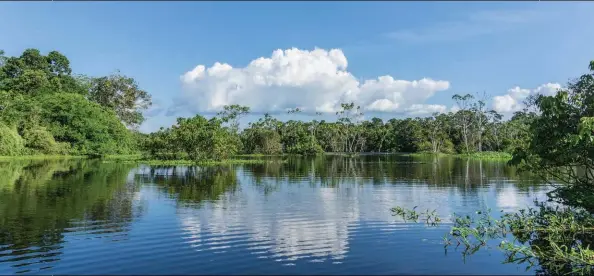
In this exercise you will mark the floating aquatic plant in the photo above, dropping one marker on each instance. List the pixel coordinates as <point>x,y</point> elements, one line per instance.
<point>558,239</point>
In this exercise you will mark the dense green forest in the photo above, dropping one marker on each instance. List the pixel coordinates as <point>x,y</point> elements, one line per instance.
<point>47,109</point>
<point>473,128</point>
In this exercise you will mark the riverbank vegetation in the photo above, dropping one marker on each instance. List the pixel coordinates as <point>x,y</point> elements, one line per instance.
<point>556,235</point>
<point>46,109</point>
<point>483,134</point>
<point>485,155</point>
<point>140,159</point>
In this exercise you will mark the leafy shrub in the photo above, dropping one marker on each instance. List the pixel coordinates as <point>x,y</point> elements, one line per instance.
<point>448,147</point>
<point>39,140</point>
<point>88,127</point>
<point>63,148</point>
<point>309,146</point>
<point>11,143</point>
<point>267,142</point>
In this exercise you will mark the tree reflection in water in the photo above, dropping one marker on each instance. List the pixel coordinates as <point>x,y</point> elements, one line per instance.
<point>191,185</point>
<point>41,201</point>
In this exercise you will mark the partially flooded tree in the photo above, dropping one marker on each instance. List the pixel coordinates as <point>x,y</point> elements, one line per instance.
<point>375,133</point>
<point>435,129</point>
<point>262,137</point>
<point>298,136</point>
<point>495,126</point>
<point>481,119</point>
<point>464,117</point>
<point>349,118</point>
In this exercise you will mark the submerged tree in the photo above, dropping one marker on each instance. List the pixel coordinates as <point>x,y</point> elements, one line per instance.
<point>198,138</point>
<point>464,117</point>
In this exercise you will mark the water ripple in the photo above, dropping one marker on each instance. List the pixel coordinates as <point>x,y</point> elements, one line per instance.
<point>296,218</point>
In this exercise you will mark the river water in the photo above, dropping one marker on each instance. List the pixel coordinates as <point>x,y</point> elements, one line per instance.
<point>324,215</point>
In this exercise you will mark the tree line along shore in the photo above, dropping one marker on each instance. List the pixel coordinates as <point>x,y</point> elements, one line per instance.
<point>48,111</point>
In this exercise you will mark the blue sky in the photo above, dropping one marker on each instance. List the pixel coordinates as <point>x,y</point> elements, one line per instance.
<point>506,49</point>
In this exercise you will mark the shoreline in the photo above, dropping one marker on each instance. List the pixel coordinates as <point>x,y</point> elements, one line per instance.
<point>137,158</point>
<point>485,155</point>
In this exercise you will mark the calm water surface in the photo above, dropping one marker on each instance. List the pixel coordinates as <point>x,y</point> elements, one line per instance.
<point>325,215</point>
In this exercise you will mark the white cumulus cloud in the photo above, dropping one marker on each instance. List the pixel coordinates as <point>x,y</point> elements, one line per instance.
<point>513,100</point>
<point>315,81</point>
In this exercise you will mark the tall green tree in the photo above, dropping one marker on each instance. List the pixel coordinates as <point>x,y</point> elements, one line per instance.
<point>231,115</point>
<point>435,130</point>
<point>33,73</point>
<point>121,94</point>
<point>263,137</point>
<point>86,126</point>
<point>376,134</point>
<point>464,117</point>
<point>198,138</point>
<point>349,122</point>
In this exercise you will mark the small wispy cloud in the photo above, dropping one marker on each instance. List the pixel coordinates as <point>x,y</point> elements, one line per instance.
<point>470,25</point>
<point>156,109</point>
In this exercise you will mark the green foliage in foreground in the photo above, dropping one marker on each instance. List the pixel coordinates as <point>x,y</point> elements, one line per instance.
<point>557,239</point>
<point>561,142</point>
<point>558,146</point>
